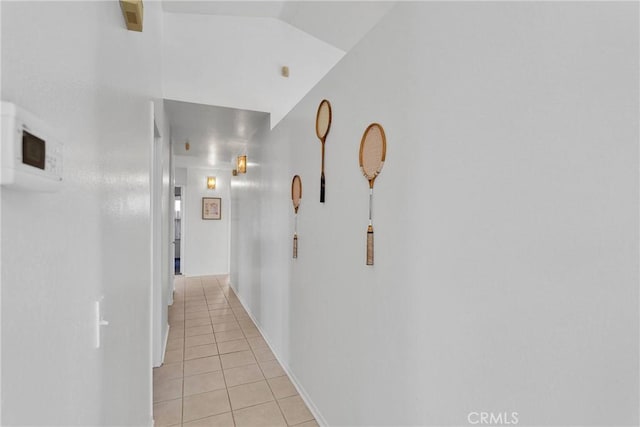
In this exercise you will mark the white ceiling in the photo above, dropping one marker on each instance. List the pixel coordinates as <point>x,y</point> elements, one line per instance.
<point>339,23</point>
<point>308,36</point>
<point>264,9</point>
<point>216,135</point>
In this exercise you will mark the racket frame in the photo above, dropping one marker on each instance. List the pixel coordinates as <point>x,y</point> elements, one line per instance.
<point>295,210</point>
<point>323,139</point>
<point>371,182</point>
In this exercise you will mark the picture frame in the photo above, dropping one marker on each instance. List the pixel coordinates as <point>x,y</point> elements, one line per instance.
<point>211,208</point>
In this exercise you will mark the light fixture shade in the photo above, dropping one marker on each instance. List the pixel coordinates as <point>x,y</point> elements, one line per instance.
<point>242,164</point>
<point>211,182</point>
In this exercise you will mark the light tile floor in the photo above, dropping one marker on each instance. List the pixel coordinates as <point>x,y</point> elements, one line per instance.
<point>218,370</point>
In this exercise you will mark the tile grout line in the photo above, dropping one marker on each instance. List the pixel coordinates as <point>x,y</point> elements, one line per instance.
<point>184,343</point>
<point>289,375</point>
<point>236,310</point>
<point>257,361</point>
<point>224,378</point>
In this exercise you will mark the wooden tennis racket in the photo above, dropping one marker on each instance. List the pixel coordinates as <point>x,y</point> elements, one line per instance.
<point>373,150</point>
<point>296,195</point>
<point>323,124</point>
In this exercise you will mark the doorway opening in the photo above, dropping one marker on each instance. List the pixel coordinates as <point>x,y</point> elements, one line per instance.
<point>178,230</point>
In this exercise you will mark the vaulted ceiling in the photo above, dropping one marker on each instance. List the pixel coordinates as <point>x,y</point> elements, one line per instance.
<point>229,54</point>
<point>340,23</point>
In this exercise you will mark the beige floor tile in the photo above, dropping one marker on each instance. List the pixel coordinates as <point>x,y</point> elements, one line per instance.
<point>199,340</point>
<point>245,323</point>
<point>195,306</point>
<point>205,404</point>
<point>190,323</point>
<point>223,318</point>
<point>257,342</point>
<point>263,354</point>
<point>311,423</point>
<point>240,358</point>
<point>222,420</point>
<point>204,382</point>
<point>175,344</point>
<point>294,409</point>
<point>243,375</point>
<point>250,394</point>
<point>244,320</point>
<point>218,306</point>
<point>271,369</point>
<point>264,415</point>
<point>198,330</point>
<point>228,326</point>
<point>167,371</point>
<point>281,387</point>
<point>220,312</point>
<point>175,333</point>
<point>241,314</point>
<point>196,315</point>
<point>167,389</point>
<point>171,356</point>
<point>233,346</point>
<point>207,317</point>
<point>179,317</point>
<point>202,365</point>
<point>167,413</point>
<point>178,324</point>
<point>234,334</point>
<point>251,332</point>
<point>200,351</point>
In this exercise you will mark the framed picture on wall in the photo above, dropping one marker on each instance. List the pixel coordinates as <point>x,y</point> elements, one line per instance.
<point>211,208</point>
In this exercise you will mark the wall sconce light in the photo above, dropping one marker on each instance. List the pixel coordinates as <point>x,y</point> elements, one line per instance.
<point>242,164</point>
<point>235,172</point>
<point>211,182</point>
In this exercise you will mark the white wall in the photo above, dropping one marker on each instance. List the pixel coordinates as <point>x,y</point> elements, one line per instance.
<point>233,61</point>
<point>162,261</point>
<point>206,242</point>
<point>74,65</point>
<point>506,221</point>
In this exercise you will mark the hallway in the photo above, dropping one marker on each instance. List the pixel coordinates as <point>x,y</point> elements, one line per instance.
<point>218,370</point>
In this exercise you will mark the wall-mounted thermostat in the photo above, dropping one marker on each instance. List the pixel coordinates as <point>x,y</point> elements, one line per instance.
<point>31,155</point>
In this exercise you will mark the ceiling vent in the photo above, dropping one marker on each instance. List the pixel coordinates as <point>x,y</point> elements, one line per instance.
<point>132,11</point>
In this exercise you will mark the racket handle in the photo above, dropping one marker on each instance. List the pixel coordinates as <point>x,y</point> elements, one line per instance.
<point>370,245</point>
<point>295,246</point>
<point>322,188</point>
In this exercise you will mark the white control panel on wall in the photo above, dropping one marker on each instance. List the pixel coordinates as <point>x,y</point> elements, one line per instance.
<point>32,158</point>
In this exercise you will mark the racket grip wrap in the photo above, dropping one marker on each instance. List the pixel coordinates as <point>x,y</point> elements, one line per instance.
<point>295,246</point>
<point>370,245</point>
<point>322,188</point>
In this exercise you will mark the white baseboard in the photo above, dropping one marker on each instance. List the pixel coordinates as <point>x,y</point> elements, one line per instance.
<point>164,346</point>
<point>301,391</point>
